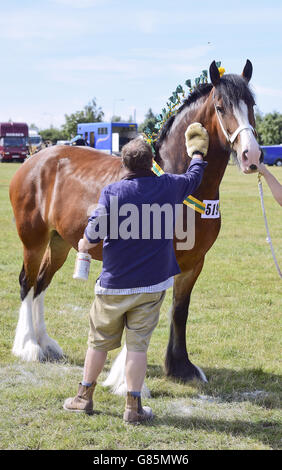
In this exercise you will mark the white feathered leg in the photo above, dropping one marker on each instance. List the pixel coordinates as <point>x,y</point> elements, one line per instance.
<point>202,374</point>
<point>116,379</point>
<point>50,347</point>
<point>25,344</point>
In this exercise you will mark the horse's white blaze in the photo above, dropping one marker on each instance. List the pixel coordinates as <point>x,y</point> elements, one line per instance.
<point>48,345</point>
<point>246,139</point>
<point>116,379</point>
<point>25,343</point>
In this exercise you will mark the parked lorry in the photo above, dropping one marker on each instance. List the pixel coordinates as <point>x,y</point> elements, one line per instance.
<point>272,154</point>
<point>13,141</point>
<point>109,137</point>
<point>35,141</point>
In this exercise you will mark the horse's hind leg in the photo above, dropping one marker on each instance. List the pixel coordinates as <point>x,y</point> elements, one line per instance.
<point>54,257</point>
<point>25,343</point>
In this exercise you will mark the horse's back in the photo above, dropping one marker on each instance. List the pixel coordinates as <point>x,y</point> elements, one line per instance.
<point>79,158</point>
<point>40,171</point>
<point>57,188</point>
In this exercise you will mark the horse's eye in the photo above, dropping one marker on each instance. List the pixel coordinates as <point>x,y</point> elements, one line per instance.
<point>220,109</point>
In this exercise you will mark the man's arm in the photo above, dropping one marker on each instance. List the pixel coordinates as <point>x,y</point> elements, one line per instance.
<point>197,143</point>
<point>273,183</point>
<point>84,245</point>
<point>97,220</point>
<point>188,182</point>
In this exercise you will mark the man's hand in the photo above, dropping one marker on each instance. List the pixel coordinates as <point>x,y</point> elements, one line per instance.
<point>273,183</point>
<point>262,168</point>
<point>196,139</point>
<point>84,246</point>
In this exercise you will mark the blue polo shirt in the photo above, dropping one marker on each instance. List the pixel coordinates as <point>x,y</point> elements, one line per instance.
<point>136,219</point>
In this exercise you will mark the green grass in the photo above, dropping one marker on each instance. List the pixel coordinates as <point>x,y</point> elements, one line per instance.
<point>233,334</point>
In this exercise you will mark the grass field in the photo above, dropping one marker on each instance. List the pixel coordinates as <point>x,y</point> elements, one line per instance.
<point>233,334</point>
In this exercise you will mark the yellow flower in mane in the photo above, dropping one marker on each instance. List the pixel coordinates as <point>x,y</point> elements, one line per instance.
<point>221,70</point>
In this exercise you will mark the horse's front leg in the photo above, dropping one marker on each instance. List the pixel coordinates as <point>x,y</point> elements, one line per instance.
<point>177,362</point>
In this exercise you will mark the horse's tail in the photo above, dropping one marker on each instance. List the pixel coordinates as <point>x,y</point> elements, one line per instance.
<point>116,379</point>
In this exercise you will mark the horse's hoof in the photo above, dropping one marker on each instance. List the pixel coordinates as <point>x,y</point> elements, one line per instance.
<point>187,373</point>
<point>30,352</point>
<point>52,355</point>
<point>51,349</point>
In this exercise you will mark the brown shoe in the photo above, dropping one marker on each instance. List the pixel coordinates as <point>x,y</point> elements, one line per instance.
<point>134,412</point>
<point>82,402</point>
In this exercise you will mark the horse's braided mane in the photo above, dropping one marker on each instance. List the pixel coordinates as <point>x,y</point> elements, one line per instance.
<point>199,92</point>
<point>232,89</point>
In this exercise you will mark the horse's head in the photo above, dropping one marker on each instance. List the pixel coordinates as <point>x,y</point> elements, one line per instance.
<point>233,103</point>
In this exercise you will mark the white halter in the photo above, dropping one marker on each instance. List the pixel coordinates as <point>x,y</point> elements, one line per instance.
<point>233,137</point>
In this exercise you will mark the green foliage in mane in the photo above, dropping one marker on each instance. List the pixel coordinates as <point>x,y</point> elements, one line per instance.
<point>173,105</point>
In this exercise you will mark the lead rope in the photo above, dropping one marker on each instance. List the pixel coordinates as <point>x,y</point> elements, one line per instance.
<point>268,239</point>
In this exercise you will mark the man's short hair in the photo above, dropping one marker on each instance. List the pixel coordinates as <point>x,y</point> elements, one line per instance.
<point>137,155</point>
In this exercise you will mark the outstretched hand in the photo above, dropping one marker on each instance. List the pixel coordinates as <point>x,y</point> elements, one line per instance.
<point>262,168</point>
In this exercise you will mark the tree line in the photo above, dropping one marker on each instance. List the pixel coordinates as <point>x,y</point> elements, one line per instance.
<point>268,126</point>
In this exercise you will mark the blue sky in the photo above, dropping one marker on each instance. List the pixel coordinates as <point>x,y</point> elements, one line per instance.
<point>56,55</point>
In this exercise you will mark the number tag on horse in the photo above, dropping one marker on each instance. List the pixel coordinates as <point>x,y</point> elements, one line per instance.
<point>212,209</point>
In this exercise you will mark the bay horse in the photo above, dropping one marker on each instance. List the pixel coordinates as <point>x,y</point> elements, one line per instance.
<point>53,192</point>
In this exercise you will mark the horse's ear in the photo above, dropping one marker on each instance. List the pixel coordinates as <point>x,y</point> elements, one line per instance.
<point>248,71</point>
<point>214,74</point>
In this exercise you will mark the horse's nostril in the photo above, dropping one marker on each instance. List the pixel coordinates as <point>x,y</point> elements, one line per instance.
<point>253,167</point>
<point>244,155</point>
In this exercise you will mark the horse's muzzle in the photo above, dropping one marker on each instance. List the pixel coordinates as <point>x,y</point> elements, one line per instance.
<point>253,167</point>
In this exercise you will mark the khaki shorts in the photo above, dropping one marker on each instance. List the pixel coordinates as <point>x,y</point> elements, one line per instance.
<point>138,314</point>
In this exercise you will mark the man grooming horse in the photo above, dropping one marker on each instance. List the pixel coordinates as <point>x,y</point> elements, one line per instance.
<point>136,271</point>
<point>51,195</point>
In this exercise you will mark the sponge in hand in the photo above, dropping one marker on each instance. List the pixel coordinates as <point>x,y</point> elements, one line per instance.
<point>196,139</point>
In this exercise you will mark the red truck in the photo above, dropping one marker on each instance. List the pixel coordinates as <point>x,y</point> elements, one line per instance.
<point>13,141</point>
